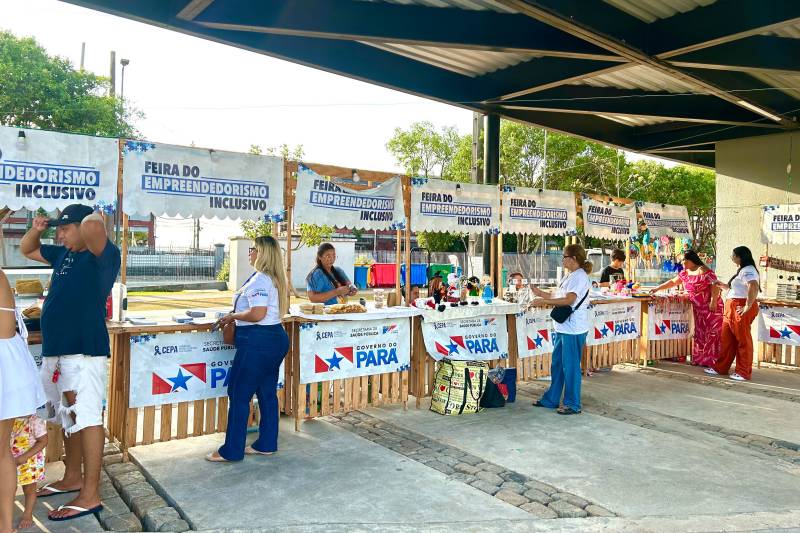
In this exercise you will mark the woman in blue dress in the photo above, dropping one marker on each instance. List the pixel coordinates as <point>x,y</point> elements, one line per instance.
<point>327,283</point>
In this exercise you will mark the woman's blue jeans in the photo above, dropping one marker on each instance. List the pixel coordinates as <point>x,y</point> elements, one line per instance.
<point>259,353</point>
<point>565,371</point>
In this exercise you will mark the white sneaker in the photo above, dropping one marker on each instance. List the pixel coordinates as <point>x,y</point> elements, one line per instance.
<point>710,371</point>
<point>737,377</point>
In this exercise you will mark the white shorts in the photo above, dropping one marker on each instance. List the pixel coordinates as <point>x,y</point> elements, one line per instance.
<point>85,375</point>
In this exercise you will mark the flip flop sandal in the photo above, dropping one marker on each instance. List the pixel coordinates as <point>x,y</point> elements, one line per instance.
<point>216,459</point>
<point>252,451</point>
<point>568,411</point>
<point>53,491</point>
<point>81,512</point>
<point>538,403</point>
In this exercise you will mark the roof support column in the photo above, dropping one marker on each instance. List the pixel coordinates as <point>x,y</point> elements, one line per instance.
<point>491,176</point>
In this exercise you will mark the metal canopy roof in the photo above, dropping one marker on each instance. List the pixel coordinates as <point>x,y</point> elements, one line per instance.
<point>664,77</point>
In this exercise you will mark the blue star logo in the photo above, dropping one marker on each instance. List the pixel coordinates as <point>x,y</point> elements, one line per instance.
<point>334,361</point>
<point>604,331</point>
<point>786,333</point>
<point>663,328</point>
<point>179,381</point>
<point>453,347</point>
<point>538,340</point>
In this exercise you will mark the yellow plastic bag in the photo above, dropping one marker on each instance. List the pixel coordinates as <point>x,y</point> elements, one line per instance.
<point>459,386</point>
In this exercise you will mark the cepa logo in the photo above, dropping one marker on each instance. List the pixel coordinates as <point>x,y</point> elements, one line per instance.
<point>390,329</point>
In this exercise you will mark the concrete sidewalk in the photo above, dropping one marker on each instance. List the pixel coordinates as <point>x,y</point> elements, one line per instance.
<point>322,476</point>
<point>664,454</point>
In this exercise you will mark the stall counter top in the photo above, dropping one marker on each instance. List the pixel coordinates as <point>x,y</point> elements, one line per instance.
<point>371,314</point>
<point>781,303</point>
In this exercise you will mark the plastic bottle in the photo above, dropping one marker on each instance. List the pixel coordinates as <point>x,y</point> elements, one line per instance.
<point>488,294</point>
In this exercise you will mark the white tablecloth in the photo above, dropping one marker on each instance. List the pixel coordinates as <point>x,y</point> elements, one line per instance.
<point>371,314</point>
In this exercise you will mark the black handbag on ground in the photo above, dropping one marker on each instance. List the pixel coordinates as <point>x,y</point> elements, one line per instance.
<point>562,313</point>
<point>492,397</point>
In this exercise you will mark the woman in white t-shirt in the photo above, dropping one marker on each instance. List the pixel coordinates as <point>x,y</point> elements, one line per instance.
<point>570,336</point>
<point>741,308</point>
<point>261,345</point>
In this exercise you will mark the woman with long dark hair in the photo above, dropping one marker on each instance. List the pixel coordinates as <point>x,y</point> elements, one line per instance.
<point>700,284</point>
<point>741,308</point>
<point>327,283</point>
<point>261,344</point>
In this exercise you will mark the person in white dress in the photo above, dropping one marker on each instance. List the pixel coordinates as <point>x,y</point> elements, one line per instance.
<point>21,394</point>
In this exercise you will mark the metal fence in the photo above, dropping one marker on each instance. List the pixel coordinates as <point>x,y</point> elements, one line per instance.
<point>174,264</point>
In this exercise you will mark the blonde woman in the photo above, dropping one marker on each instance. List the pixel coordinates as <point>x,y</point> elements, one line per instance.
<point>261,345</point>
<point>569,336</point>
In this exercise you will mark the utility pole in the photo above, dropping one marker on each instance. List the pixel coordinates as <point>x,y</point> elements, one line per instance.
<point>112,88</point>
<point>83,54</point>
<point>196,234</point>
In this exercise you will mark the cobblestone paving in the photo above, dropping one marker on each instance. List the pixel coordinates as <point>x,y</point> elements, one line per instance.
<point>774,448</point>
<point>539,499</point>
<point>130,502</point>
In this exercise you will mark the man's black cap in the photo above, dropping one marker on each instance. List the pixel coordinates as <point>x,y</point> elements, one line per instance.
<point>72,214</point>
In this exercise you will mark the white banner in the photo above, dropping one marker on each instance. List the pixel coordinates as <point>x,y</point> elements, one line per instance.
<point>779,325</point>
<point>614,322</point>
<point>339,350</point>
<point>467,339</point>
<point>538,212</point>
<point>165,179</point>
<point>439,205</point>
<point>612,222</point>
<point>781,224</point>
<point>180,367</point>
<point>669,319</point>
<point>52,170</point>
<point>666,220</point>
<point>534,333</point>
<point>319,200</point>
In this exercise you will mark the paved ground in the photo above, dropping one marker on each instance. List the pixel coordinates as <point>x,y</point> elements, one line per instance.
<point>45,505</point>
<point>664,450</point>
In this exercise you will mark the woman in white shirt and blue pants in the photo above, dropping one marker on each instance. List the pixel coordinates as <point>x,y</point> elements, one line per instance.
<point>569,337</point>
<point>261,345</point>
<point>741,308</point>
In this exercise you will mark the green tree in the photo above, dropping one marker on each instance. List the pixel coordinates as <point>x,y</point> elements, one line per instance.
<point>310,234</point>
<point>42,91</point>
<point>441,241</point>
<point>423,151</point>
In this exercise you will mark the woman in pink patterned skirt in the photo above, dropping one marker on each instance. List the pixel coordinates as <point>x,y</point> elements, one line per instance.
<point>699,282</point>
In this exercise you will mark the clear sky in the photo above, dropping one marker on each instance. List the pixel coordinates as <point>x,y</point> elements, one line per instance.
<point>194,90</point>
